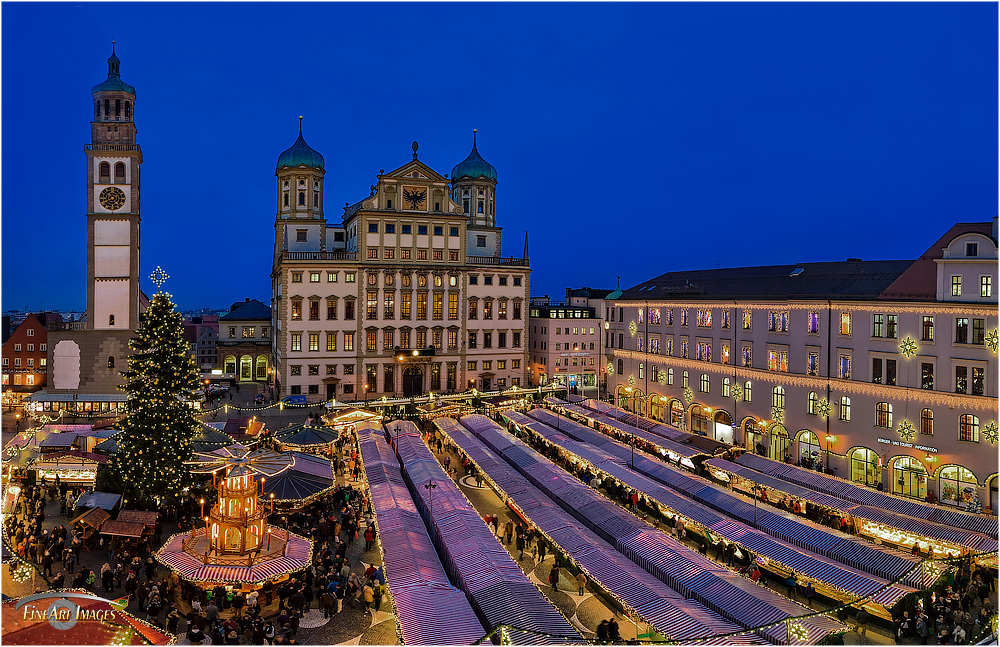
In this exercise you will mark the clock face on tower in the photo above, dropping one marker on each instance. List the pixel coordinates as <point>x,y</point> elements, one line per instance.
<point>112,198</point>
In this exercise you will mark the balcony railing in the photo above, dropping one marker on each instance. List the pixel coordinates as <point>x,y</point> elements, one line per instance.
<point>496,260</point>
<point>112,147</point>
<point>320,256</point>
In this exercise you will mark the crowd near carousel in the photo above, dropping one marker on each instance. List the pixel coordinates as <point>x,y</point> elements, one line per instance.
<point>504,518</point>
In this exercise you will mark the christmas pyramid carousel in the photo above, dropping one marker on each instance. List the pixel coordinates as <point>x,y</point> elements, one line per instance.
<point>236,545</point>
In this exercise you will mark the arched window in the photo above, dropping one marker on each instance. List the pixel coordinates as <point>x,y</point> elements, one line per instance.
<point>111,361</point>
<point>953,483</point>
<point>811,403</point>
<point>97,110</point>
<point>261,367</point>
<point>118,107</point>
<point>105,173</point>
<point>845,408</point>
<point>119,173</point>
<point>725,387</point>
<point>684,379</point>
<point>808,448</point>
<point>779,443</point>
<point>883,415</point>
<point>778,397</point>
<point>437,206</point>
<point>246,368</point>
<point>968,428</point>
<point>107,108</point>
<point>111,320</point>
<point>927,422</point>
<point>302,198</point>
<point>128,109</point>
<point>230,364</point>
<point>642,372</point>
<point>704,383</point>
<point>670,377</point>
<point>864,467</point>
<point>699,421</point>
<point>676,413</point>
<point>286,199</point>
<point>747,392</point>
<point>909,477</point>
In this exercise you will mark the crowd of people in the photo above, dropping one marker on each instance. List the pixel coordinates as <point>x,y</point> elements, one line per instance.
<point>960,609</point>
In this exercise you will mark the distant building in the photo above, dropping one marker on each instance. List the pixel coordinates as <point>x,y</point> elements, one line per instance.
<point>202,333</point>
<point>883,371</point>
<point>243,348</point>
<point>565,341</point>
<point>25,357</point>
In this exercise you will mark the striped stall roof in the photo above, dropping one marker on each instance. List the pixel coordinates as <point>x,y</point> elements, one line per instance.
<point>667,610</point>
<point>296,558</point>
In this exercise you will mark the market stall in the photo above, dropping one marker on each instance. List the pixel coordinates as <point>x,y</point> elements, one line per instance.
<point>104,500</point>
<point>306,438</point>
<point>122,529</point>
<point>91,521</point>
<point>73,467</point>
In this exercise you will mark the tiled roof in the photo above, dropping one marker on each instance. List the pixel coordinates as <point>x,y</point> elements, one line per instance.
<point>252,310</point>
<point>850,280</point>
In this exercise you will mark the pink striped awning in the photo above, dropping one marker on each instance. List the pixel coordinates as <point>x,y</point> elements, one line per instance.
<point>297,558</point>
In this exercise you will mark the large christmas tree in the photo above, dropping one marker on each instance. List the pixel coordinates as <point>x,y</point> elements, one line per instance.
<point>159,424</point>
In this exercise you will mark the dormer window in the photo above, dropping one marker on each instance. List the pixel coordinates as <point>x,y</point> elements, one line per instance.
<point>972,249</point>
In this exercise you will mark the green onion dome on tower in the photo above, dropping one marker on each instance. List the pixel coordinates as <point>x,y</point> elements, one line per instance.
<point>300,154</point>
<point>474,166</point>
<point>114,81</point>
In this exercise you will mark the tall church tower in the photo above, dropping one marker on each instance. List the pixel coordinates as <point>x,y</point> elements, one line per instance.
<point>113,159</point>
<point>300,225</point>
<point>474,185</point>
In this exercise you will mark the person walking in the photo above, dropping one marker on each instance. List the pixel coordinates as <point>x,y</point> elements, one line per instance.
<point>581,582</point>
<point>810,592</point>
<point>541,551</point>
<point>327,600</point>
<point>519,543</point>
<point>508,532</point>
<point>862,620</point>
<point>554,578</point>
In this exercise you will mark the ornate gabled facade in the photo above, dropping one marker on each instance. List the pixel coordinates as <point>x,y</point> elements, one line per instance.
<point>407,294</point>
<point>882,372</point>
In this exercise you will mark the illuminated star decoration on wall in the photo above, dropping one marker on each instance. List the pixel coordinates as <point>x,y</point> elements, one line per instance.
<point>662,377</point>
<point>631,380</point>
<point>158,277</point>
<point>906,430</point>
<point>991,340</point>
<point>632,328</point>
<point>778,414</point>
<point>823,408</point>
<point>611,368</point>
<point>688,394</point>
<point>908,348</point>
<point>990,433</point>
<point>736,392</point>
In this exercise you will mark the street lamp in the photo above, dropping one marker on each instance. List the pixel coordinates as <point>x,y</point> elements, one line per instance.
<point>430,499</point>
<point>17,422</point>
<point>366,395</point>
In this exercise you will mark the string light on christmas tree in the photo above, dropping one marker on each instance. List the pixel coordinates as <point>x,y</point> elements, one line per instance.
<point>906,430</point>
<point>823,408</point>
<point>908,347</point>
<point>990,433</point>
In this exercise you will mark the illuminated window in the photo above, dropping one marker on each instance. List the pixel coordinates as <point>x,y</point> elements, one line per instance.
<point>331,341</point>
<point>348,342</point>
<point>927,329</point>
<point>371,340</point>
<point>704,318</point>
<point>684,380</point>
<point>654,316</point>
<point>726,385</point>
<point>747,391</point>
<point>296,277</point>
<point>778,397</point>
<point>296,341</point>
<point>845,324</point>
<point>845,367</point>
<point>704,383</point>
<point>956,286</point>
<point>389,305</point>
<point>883,415</point>
<point>986,286</point>
<point>877,325</point>
<point>747,356</point>
<point>725,320</point>
<point>669,317</point>
<point>926,422</point>
<point>811,403</point>
<point>296,312</point>
<point>747,320</point>
<point>684,317</point>
<point>248,332</point>
<point>968,428</point>
<point>813,323</point>
<point>777,321</point>
<point>314,277</point>
<point>845,408</point>
<point>812,364</point>
<point>314,341</point>
<point>670,377</point>
<point>314,310</point>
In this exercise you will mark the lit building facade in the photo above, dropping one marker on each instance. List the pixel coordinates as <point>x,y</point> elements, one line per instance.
<point>406,294</point>
<point>244,345</point>
<point>25,356</point>
<point>884,371</point>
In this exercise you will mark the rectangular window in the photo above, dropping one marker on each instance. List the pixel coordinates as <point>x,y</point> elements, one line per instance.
<point>487,365</point>
<point>331,277</point>
<point>296,315</point>
<point>777,321</point>
<point>314,310</point>
<point>314,369</point>
<point>421,339</point>
<point>404,254</point>
<point>314,341</point>
<point>452,376</point>
<point>471,366</point>
<point>296,277</point>
<point>421,254</point>
<point>812,364</point>
<point>956,286</point>
<point>296,389</point>
<point>961,330</point>
<point>927,329</point>
<point>438,306</point>
<point>877,370</point>
<point>724,354</point>
<point>372,378</point>
<point>516,342</point>
<point>845,367</point>
<point>890,372</point>
<point>978,331</point>
<point>438,255</point>
<point>373,252</point>
<point>488,279</point>
<point>927,376</point>
<point>331,341</point>
<point>348,342</point>
<point>452,339</point>
<point>502,310</point>
<point>487,309</point>
<point>961,379</point>
<point>777,360</point>
<point>453,305</point>
<point>684,348</point>
<point>439,231</point>
<point>41,347</point>
<point>517,308</point>
<point>404,339</point>
<point>501,340</point>
<point>350,277</point>
<point>878,325</point>
<point>747,356</point>
<point>331,309</point>
<point>388,339</point>
<point>295,370</point>
<point>845,324</point>
<point>684,317</point>
<point>390,228</point>
<point>747,320</point>
<point>891,326</point>
<point>296,341</point>
<point>813,323</point>
<point>422,306</point>
<point>389,304</point>
<point>348,370</point>
<point>472,339</point>
<point>986,286</point>
<point>373,228</point>
<point>372,305</point>
<point>704,318</point>
<point>487,340</point>
<point>473,309</point>
<point>349,310</point>
<point>314,277</point>
<point>978,380</point>
<point>654,316</point>
<point>705,351</point>
<point>389,254</point>
<point>725,320</point>
<point>371,340</point>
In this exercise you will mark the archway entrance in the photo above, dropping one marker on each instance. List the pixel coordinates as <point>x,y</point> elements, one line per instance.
<point>909,477</point>
<point>779,443</point>
<point>864,467</point>
<point>956,485</point>
<point>246,368</point>
<point>808,448</point>
<point>752,438</point>
<point>699,420</point>
<point>723,427</point>
<point>677,414</point>
<point>413,381</point>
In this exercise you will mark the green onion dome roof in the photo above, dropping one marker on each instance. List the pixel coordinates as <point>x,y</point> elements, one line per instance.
<point>474,166</point>
<point>114,81</point>
<point>300,153</point>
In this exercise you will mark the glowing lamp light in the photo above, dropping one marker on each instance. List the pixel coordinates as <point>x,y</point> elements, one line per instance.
<point>414,353</point>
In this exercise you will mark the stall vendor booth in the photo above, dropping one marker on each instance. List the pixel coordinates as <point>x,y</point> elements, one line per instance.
<point>91,521</point>
<point>73,467</point>
<point>344,418</point>
<point>306,438</point>
<point>441,409</point>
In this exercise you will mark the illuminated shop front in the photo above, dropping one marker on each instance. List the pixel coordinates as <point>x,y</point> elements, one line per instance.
<point>909,477</point>
<point>865,466</point>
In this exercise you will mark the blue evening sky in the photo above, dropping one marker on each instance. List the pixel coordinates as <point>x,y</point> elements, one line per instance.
<point>629,139</point>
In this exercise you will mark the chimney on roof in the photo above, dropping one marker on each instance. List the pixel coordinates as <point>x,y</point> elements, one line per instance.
<point>246,300</point>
